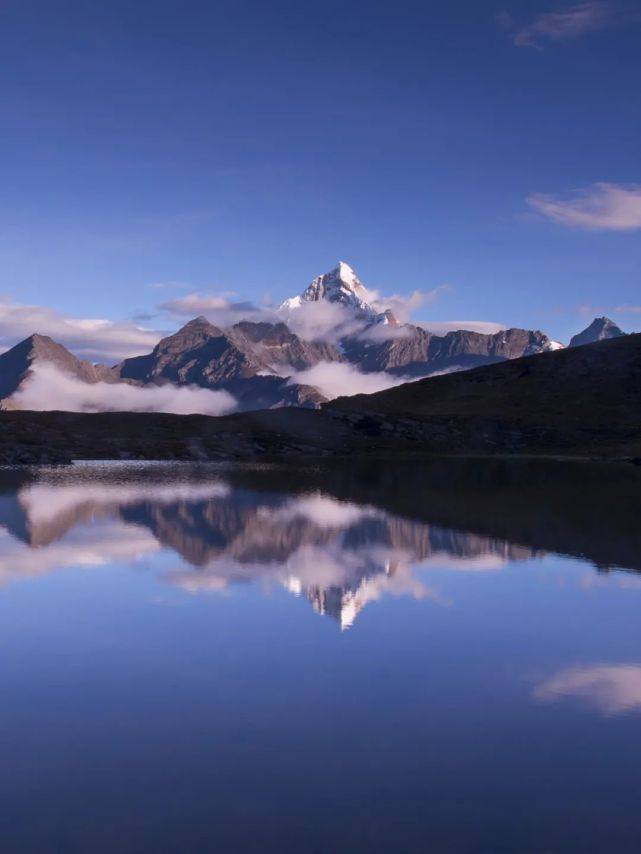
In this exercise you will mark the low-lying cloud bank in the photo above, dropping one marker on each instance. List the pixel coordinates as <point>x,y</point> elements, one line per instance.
<point>339,379</point>
<point>49,389</point>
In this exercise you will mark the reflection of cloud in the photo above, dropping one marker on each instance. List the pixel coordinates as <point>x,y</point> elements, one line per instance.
<point>610,688</point>
<point>338,581</point>
<point>321,510</point>
<point>43,502</point>
<point>98,545</point>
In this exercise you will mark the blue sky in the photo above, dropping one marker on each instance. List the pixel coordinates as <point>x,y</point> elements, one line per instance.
<point>247,146</point>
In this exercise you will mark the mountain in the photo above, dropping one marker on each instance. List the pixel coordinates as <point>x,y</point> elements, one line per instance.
<point>600,329</point>
<point>580,401</point>
<point>258,362</point>
<point>343,287</point>
<point>17,364</point>
<point>250,360</point>
<point>384,344</point>
<point>414,351</point>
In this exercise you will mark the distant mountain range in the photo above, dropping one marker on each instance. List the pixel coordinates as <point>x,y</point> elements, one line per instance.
<point>260,363</point>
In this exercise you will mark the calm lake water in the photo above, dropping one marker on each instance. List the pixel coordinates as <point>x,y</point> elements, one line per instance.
<point>440,657</point>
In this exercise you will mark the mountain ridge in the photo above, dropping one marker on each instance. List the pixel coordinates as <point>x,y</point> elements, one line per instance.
<point>263,363</point>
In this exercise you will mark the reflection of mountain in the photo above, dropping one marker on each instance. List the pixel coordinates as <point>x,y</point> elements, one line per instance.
<point>339,554</point>
<point>340,538</point>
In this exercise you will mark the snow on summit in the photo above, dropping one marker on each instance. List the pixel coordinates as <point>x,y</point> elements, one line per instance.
<point>343,287</point>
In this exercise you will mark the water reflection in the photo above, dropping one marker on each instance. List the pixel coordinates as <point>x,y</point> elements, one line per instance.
<point>609,688</point>
<point>337,553</point>
<point>155,700</point>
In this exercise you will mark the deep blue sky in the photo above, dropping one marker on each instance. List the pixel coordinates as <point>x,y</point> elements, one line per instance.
<point>247,146</point>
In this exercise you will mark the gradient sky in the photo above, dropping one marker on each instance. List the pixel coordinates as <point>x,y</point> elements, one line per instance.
<point>153,149</point>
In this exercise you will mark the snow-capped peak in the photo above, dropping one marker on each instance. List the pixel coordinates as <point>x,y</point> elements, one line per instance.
<point>340,285</point>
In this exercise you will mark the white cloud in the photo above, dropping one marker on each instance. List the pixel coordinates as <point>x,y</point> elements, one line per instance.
<point>609,688</point>
<point>51,389</point>
<point>600,207</point>
<point>403,307</point>
<point>322,320</point>
<point>570,23</point>
<point>218,308</point>
<point>93,338</point>
<point>628,309</point>
<point>311,321</point>
<point>337,379</point>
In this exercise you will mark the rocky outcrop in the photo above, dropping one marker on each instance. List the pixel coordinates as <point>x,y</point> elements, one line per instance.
<point>600,329</point>
<point>17,364</point>
<point>246,360</point>
<point>413,351</point>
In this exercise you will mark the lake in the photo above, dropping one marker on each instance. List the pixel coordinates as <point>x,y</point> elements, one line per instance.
<point>401,657</point>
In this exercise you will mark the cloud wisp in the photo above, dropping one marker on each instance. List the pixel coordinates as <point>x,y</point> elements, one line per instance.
<point>90,338</point>
<point>50,389</point>
<point>311,321</point>
<point>600,207</point>
<point>339,379</point>
<point>558,25</point>
<point>628,309</point>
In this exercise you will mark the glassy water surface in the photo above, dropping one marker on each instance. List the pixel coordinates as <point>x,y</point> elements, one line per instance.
<point>444,657</point>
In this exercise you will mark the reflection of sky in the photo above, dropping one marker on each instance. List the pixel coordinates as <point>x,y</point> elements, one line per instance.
<point>464,698</point>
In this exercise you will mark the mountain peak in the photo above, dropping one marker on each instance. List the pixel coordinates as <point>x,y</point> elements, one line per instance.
<point>341,285</point>
<point>201,320</point>
<point>600,329</point>
<point>346,274</point>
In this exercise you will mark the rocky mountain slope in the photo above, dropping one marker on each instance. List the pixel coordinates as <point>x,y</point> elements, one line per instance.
<point>17,364</point>
<point>244,360</point>
<point>600,329</point>
<point>384,344</point>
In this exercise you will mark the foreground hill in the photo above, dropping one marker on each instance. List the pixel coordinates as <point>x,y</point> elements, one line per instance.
<point>589,395</point>
<point>584,401</point>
